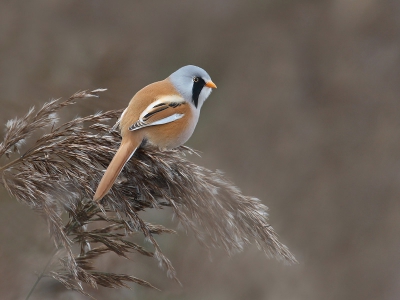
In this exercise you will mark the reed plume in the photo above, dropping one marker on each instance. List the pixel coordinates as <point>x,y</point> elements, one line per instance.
<point>56,176</point>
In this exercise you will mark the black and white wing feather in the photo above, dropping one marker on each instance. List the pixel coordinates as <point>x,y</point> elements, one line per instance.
<point>164,110</point>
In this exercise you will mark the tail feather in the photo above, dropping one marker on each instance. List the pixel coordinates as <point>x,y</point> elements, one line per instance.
<point>124,153</point>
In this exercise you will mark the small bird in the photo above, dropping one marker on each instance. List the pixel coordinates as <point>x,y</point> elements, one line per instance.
<point>164,114</point>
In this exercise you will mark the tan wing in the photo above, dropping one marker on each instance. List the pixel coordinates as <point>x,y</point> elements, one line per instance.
<point>165,110</point>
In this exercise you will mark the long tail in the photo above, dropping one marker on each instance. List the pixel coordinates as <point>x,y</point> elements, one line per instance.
<point>124,153</point>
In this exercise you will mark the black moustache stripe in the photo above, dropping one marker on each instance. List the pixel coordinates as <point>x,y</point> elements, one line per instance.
<point>196,90</point>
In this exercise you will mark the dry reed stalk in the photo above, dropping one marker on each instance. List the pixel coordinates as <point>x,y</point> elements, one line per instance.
<point>58,174</point>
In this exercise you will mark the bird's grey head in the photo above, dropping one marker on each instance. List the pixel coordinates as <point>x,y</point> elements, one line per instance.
<point>193,83</point>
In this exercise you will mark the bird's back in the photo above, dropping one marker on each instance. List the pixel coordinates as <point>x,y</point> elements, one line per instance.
<point>142,99</point>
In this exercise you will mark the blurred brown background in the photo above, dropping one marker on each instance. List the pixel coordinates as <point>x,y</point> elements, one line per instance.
<point>306,117</point>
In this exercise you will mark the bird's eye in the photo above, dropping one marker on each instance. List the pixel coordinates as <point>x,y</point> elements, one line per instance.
<point>196,79</point>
